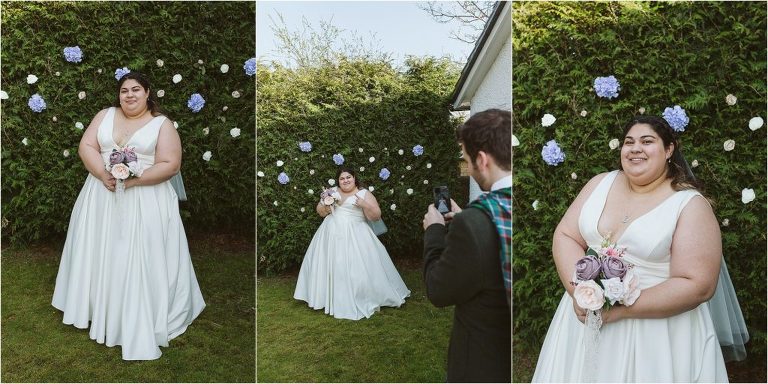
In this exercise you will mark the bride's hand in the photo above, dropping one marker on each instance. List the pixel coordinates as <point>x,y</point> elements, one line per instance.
<point>109,181</point>
<point>581,313</point>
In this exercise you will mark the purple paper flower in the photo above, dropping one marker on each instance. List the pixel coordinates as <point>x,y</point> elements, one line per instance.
<point>250,66</point>
<point>418,150</point>
<point>305,146</point>
<point>587,268</point>
<point>384,174</point>
<point>676,118</point>
<point>36,103</point>
<point>196,102</point>
<point>282,178</point>
<point>552,154</point>
<point>607,87</point>
<point>116,157</point>
<point>120,72</point>
<point>614,267</point>
<point>73,54</point>
<point>338,159</point>
<point>130,155</point>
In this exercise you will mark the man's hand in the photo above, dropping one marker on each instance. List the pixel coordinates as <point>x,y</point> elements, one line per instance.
<point>432,217</point>
<point>454,210</point>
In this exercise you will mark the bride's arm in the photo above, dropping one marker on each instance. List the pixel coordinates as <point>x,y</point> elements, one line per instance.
<point>694,267</point>
<point>167,158</point>
<point>567,244</point>
<point>370,206</point>
<point>89,151</point>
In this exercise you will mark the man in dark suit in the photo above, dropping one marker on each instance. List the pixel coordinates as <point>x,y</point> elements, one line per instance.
<point>467,264</point>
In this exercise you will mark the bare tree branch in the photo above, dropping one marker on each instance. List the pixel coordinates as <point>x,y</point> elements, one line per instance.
<point>470,15</point>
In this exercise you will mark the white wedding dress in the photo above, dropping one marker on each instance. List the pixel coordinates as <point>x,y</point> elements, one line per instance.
<point>681,348</point>
<point>346,269</point>
<point>125,267</point>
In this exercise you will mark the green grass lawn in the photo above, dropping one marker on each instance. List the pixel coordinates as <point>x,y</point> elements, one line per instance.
<point>217,347</point>
<point>298,344</point>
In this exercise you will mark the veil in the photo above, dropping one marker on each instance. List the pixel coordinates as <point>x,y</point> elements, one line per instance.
<point>178,185</point>
<point>724,306</point>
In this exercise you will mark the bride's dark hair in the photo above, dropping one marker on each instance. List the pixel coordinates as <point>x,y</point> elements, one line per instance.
<point>677,169</point>
<point>352,172</point>
<point>152,104</point>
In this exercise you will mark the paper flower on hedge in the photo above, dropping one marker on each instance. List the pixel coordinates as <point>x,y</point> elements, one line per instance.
<point>207,155</point>
<point>547,120</point>
<point>305,146</point>
<point>196,102</point>
<point>159,62</point>
<point>65,153</point>
<point>224,68</point>
<point>79,125</point>
<point>552,154</point>
<point>160,93</point>
<point>384,174</point>
<point>729,145</point>
<point>260,174</point>
<point>613,144</point>
<point>235,132</point>
<point>73,54</point>
<point>81,95</point>
<point>250,66</point>
<point>418,150</point>
<point>25,141</point>
<point>409,191</point>
<point>747,195</point>
<point>676,118</point>
<point>731,99</point>
<point>331,181</point>
<point>3,95</point>
<point>515,142</point>
<point>120,72</point>
<point>607,87</point>
<point>36,103</point>
<point>283,178</point>
<point>31,79</point>
<point>754,123</point>
<point>338,159</point>
<point>176,78</point>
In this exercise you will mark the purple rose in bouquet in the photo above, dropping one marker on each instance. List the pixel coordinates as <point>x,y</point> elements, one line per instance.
<point>116,157</point>
<point>614,267</point>
<point>588,268</point>
<point>130,156</point>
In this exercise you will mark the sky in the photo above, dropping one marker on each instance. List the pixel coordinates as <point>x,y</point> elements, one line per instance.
<point>400,27</point>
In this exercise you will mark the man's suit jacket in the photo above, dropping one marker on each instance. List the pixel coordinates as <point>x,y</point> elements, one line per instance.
<point>462,268</point>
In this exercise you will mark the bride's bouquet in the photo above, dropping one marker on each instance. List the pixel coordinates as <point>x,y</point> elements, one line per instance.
<point>124,163</point>
<point>330,198</point>
<point>603,279</point>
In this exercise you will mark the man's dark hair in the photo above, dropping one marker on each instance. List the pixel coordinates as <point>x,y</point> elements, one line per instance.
<point>489,131</point>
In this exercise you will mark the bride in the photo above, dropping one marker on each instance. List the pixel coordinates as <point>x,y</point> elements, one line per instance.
<point>346,269</point>
<point>652,208</point>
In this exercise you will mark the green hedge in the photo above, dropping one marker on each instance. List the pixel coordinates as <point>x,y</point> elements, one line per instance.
<point>359,109</point>
<point>691,54</point>
<point>40,184</point>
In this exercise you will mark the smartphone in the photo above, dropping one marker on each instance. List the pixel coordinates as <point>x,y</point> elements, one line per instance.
<point>442,199</point>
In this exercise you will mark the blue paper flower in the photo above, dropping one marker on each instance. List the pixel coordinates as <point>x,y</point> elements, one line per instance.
<point>305,146</point>
<point>676,118</point>
<point>36,103</point>
<point>607,87</point>
<point>73,54</point>
<point>282,178</point>
<point>196,102</point>
<point>338,159</point>
<point>120,72</point>
<point>552,154</point>
<point>418,150</point>
<point>384,174</point>
<point>250,66</point>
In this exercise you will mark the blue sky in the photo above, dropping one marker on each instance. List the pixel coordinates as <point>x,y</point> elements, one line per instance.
<point>400,26</point>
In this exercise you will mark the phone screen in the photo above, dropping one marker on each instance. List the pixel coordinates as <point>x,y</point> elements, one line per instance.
<point>442,199</point>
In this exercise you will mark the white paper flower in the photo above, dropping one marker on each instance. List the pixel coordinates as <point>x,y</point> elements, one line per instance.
<point>694,163</point>
<point>370,188</point>
<point>409,191</point>
<point>547,120</point>
<point>614,289</point>
<point>235,94</point>
<point>79,125</point>
<point>641,110</point>
<point>302,210</point>
<point>57,73</point>
<point>176,125</point>
<point>98,70</point>
<point>429,165</point>
<point>224,68</point>
<point>726,223</point>
<point>55,119</point>
<point>200,61</point>
<point>747,195</point>
<point>426,181</point>
<point>25,141</point>
<point>65,153</point>
<point>360,150</point>
<point>274,203</point>
<point>400,152</point>
<point>613,144</point>
<point>589,295</point>
<point>206,131</point>
<point>391,191</point>
<point>515,141</point>
<point>573,175</point>
<point>371,159</point>
<point>207,155</point>
<point>393,207</point>
<point>159,63</point>
<point>81,95</point>
<point>730,99</point>
<point>311,171</point>
<point>729,145</point>
<point>3,95</point>
<point>160,93</point>
<point>583,113</point>
<point>362,169</point>
<point>31,79</point>
<point>535,205</point>
<point>408,167</point>
<point>235,132</point>
<point>176,78</point>
<point>260,174</point>
<point>755,123</point>
<point>279,163</point>
<point>224,108</point>
<point>331,182</point>
<point>310,191</point>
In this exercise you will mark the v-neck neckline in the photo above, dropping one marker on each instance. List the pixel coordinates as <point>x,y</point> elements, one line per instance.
<point>626,229</point>
<point>114,114</point>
